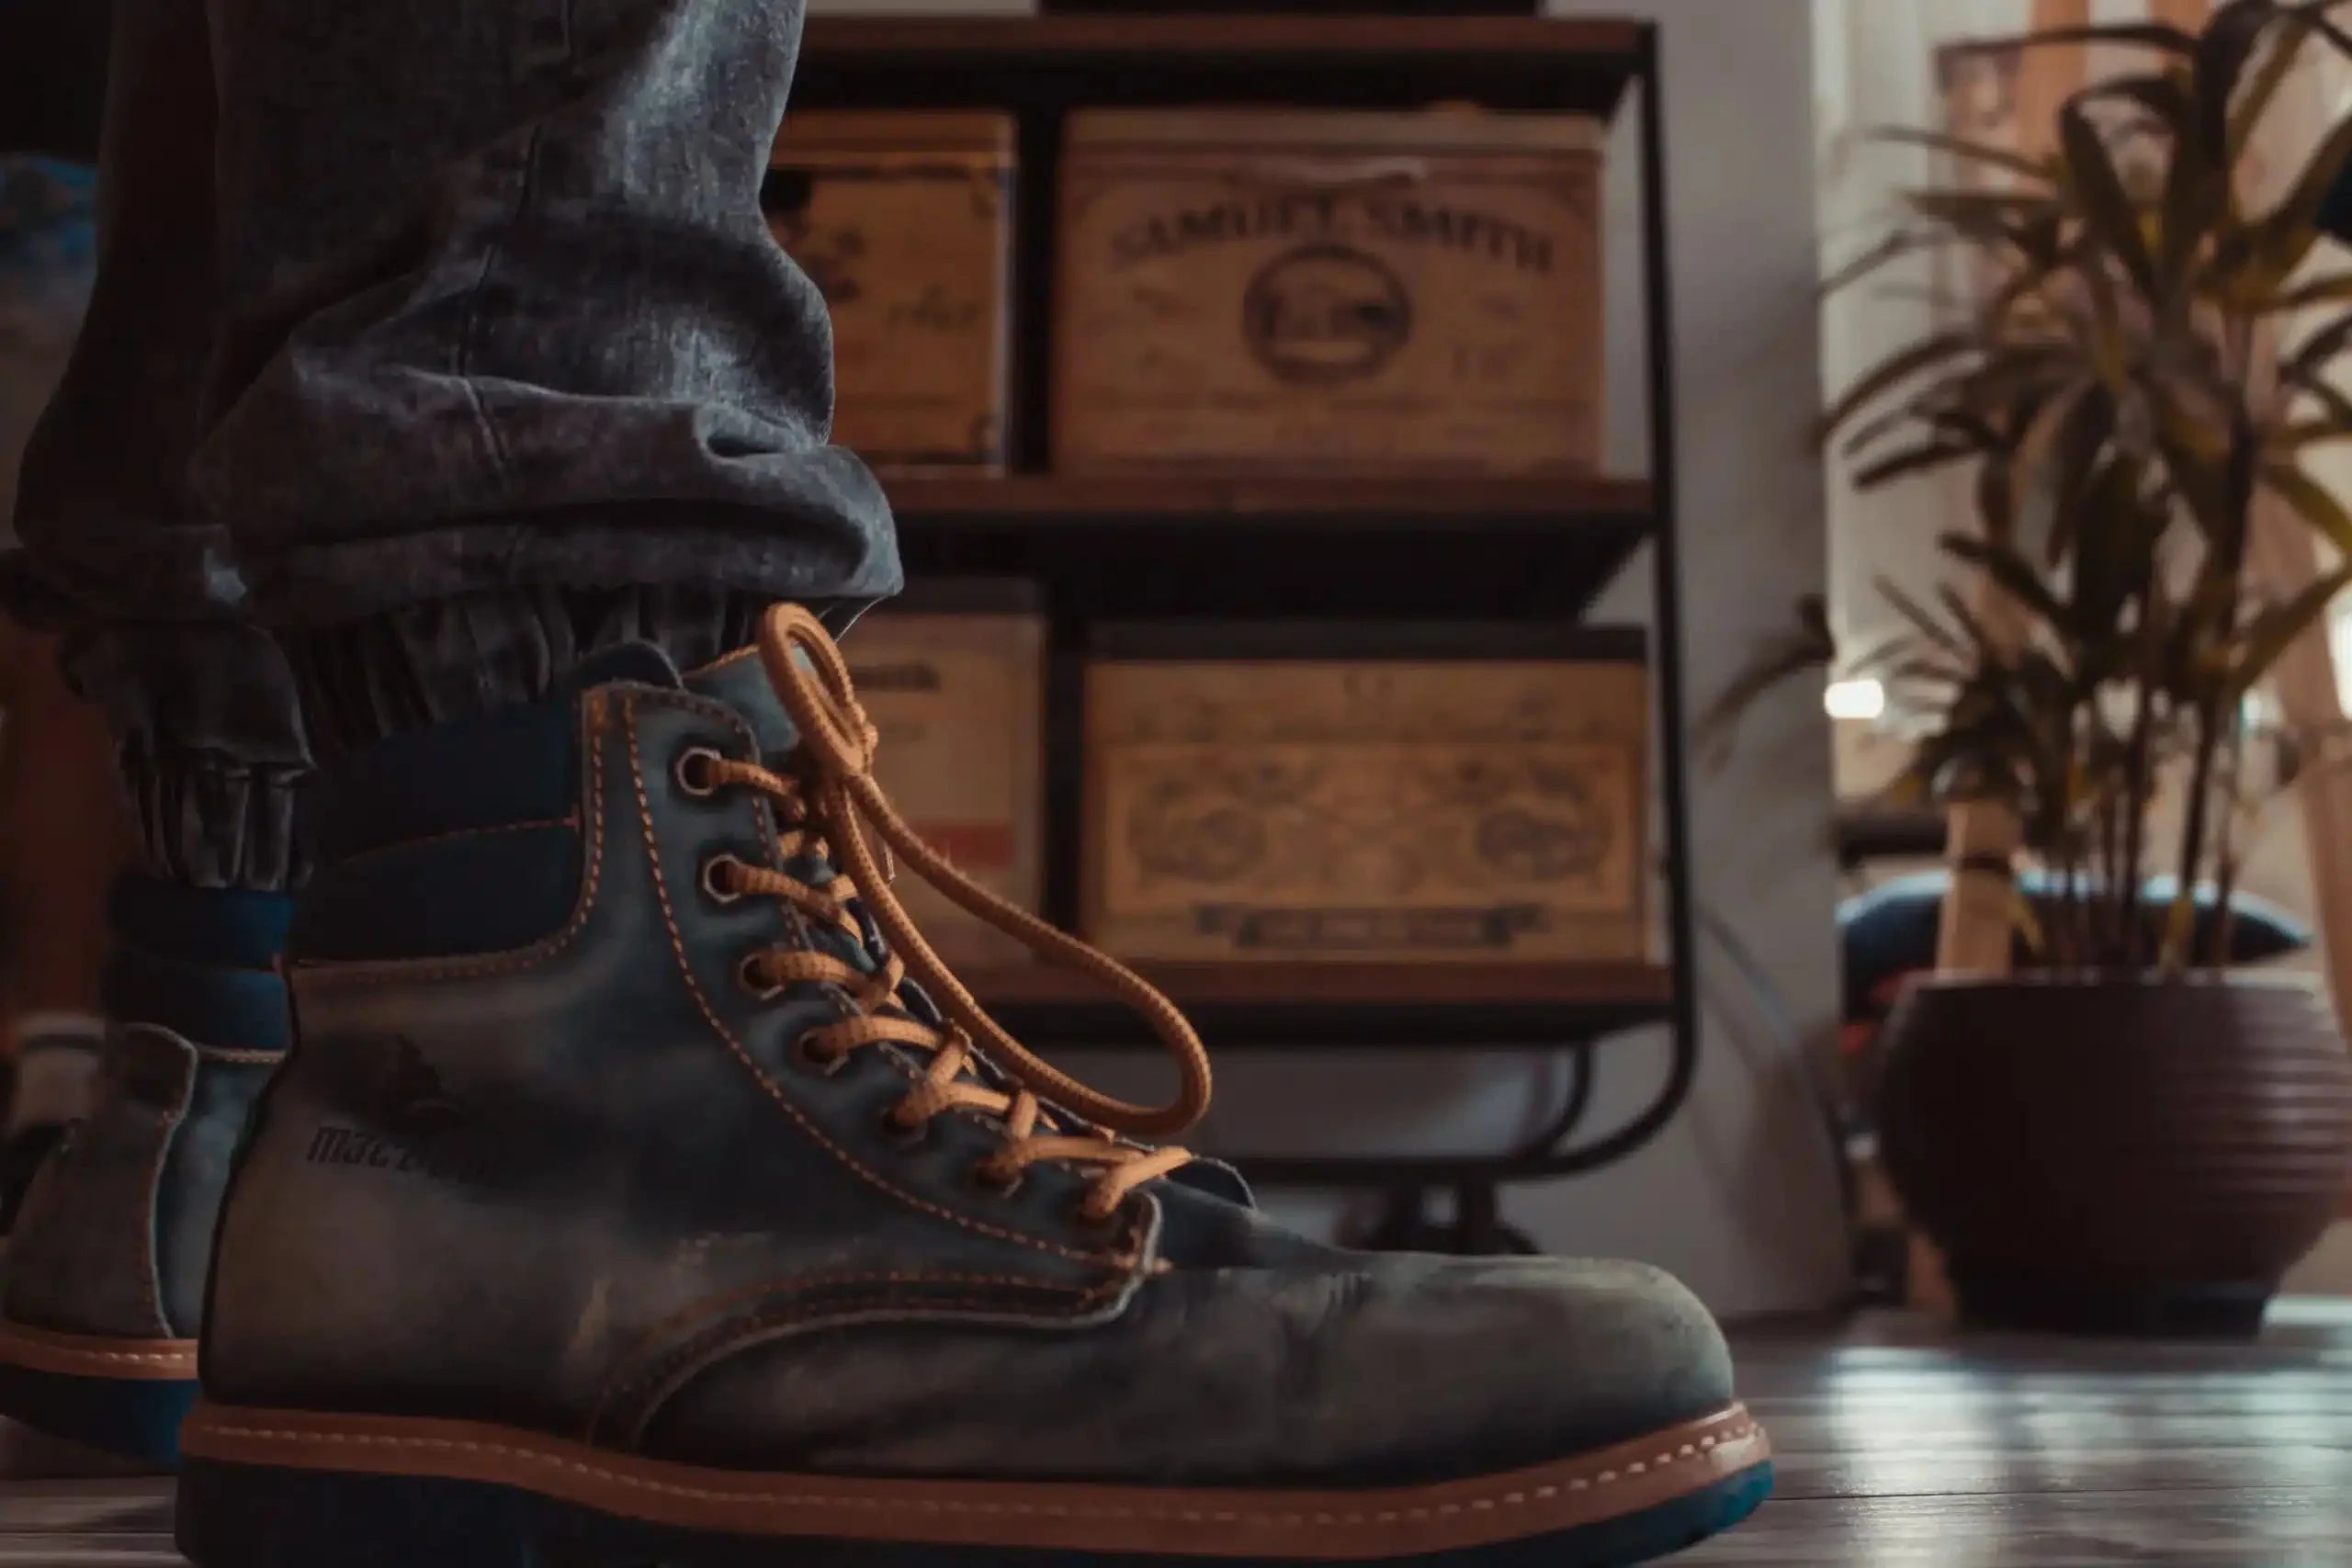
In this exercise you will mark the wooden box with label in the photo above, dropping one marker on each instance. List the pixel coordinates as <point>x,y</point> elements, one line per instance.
<point>955,682</point>
<point>1314,290</point>
<point>905,221</point>
<point>1453,797</point>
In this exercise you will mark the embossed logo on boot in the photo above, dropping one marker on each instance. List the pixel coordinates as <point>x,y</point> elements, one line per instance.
<point>419,1128</point>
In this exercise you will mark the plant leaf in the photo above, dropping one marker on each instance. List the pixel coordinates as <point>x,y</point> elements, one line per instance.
<point>2268,637</point>
<point>2150,35</point>
<point>1896,369</point>
<point>1889,250</point>
<point>2327,393</point>
<point>1967,620</point>
<point>1961,148</point>
<point>1911,610</point>
<point>2229,44</point>
<point>2013,573</point>
<point>2310,361</point>
<point>2292,230</point>
<point>2195,193</point>
<point>1921,458</point>
<point>2335,289</point>
<point>2061,467</point>
<point>2300,435</point>
<point>1992,220</point>
<point>2313,502</point>
<point>2255,101</point>
<point>2107,206</point>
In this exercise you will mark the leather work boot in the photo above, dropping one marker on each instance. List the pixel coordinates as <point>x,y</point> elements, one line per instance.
<point>106,1268</point>
<point>642,1190</point>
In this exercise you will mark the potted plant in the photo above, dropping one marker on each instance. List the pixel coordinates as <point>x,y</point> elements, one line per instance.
<point>2131,1135</point>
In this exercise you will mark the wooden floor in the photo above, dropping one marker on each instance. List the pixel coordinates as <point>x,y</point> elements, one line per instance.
<point>1898,1447</point>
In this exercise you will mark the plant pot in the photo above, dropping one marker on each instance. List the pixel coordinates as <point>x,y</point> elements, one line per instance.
<point>2117,1155</point>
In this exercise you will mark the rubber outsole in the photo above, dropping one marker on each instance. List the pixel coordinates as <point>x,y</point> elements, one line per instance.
<point>232,1517</point>
<point>290,1490</point>
<point>133,1418</point>
<point>124,1397</point>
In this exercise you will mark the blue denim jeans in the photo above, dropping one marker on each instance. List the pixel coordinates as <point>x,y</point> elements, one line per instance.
<point>434,343</point>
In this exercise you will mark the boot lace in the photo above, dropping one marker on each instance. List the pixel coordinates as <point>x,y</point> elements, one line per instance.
<point>831,808</point>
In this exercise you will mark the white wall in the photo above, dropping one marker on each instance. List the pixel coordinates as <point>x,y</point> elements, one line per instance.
<point>1738,1196</point>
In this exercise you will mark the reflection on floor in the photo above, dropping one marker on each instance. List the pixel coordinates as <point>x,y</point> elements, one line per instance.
<point>1900,1448</point>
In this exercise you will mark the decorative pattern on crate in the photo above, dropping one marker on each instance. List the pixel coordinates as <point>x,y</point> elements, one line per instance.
<point>1428,811</point>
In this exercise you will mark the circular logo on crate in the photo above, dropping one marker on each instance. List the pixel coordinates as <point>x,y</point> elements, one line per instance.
<point>1321,315</point>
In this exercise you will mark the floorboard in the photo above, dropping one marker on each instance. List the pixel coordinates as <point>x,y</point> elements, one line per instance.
<point>1901,1446</point>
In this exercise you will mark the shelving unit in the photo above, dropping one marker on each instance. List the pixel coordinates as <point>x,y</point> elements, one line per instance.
<point>1195,544</point>
<point>1343,1006</point>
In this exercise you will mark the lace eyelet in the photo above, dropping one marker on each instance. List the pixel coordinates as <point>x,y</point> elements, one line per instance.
<point>690,775</point>
<point>987,1180</point>
<point>906,1135</point>
<point>717,885</point>
<point>809,1059</point>
<point>747,975</point>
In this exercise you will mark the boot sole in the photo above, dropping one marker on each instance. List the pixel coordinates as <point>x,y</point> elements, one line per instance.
<point>272,1489</point>
<point>126,1397</point>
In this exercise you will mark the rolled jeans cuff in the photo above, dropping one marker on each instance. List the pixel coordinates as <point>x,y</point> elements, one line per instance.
<point>209,738</point>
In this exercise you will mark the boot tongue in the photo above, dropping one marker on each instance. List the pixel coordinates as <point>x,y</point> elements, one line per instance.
<point>741,681</point>
<point>630,663</point>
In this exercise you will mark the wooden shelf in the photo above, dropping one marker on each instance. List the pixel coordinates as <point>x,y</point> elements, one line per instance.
<point>1558,63</point>
<point>1165,547</point>
<point>1339,501</point>
<point>1581,65</point>
<point>1289,1006</point>
<point>1293,40</point>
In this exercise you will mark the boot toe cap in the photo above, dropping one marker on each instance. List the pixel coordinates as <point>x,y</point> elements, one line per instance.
<point>1479,1368</point>
<point>1355,1373</point>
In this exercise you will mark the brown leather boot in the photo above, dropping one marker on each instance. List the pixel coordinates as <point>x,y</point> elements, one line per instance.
<point>643,1190</point>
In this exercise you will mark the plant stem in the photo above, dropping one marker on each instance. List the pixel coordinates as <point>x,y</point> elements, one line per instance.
<point>2127,886</point>
<point>2226,565</point>
<point>2225,852</point>
<point>2103,898</point>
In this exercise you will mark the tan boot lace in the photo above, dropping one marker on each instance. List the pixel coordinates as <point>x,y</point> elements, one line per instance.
<point>832,811</point>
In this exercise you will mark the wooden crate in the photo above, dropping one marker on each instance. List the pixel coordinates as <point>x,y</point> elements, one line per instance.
<point>955,682</point>
<point>1318,289</point>
<point>1425,807</point>
<point>905,221</point>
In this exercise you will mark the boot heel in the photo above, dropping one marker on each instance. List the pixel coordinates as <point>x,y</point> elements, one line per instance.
<point>233,1516</point>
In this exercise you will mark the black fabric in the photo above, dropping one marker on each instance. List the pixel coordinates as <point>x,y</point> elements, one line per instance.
<point>53,77</point>
<point>457,659</point>
<point>237,929</point>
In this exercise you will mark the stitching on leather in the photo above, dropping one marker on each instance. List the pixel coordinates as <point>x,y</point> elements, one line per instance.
<point>761,814</point>
<point>184,1356</point>
<point>735,1046</point>
<point>218,1056</point>
<point>1516,1497</point>
<point>569,821</point>
<point>619,1389</point>
<point>740,654</point>
<point>150,1273</point>
<point>393,971</point>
